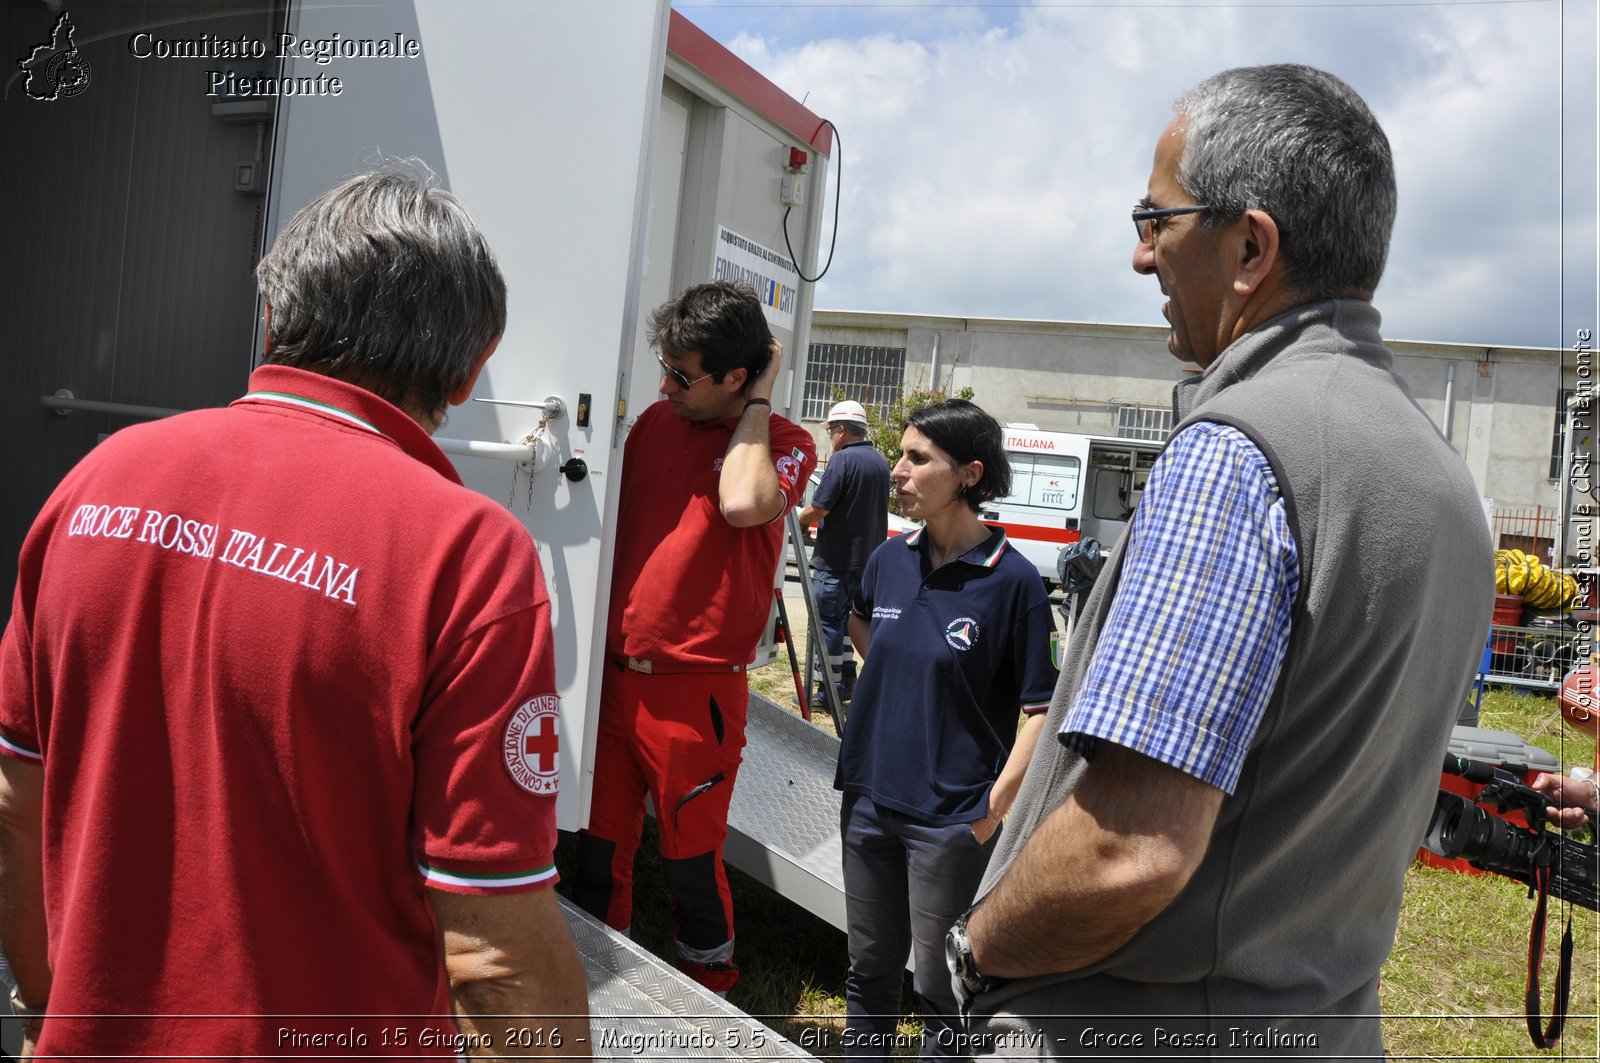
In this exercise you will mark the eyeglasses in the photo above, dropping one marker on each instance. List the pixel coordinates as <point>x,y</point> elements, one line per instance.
<point>1148,222</point>
<point>679,376</point>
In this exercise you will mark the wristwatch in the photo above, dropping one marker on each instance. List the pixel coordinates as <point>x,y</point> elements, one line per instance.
<point>958,957</point>
<point>25,1012</point>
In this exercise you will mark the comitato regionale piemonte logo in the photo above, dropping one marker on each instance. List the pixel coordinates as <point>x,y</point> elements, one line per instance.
<point>55,69</point>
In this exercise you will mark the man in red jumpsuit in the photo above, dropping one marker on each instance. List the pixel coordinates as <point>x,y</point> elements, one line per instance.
<point>708,473</point>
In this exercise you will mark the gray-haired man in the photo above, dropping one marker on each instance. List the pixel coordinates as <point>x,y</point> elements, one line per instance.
<point>1209,859</point>
<point>277,696</point>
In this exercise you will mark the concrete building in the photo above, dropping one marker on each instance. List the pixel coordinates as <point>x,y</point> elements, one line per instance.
<point>1497,405</point>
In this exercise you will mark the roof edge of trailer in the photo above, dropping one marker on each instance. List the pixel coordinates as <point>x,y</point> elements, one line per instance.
<point>697,48</point>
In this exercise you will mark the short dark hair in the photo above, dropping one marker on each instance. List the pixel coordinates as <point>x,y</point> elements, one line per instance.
<point>720,319</point>
<point>967,433</point>
<point>385,280</point>
<point>1301,145</point>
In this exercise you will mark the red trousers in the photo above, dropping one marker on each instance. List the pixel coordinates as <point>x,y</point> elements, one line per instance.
<point>676,739</point>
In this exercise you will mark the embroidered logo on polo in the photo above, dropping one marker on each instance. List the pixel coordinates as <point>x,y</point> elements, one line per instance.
<point>962,633</point>
<point>533,744</point>
<point>313,569</point>
<point>788,467</point>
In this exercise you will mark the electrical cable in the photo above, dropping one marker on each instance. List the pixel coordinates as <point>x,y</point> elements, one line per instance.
<point>838,150</point>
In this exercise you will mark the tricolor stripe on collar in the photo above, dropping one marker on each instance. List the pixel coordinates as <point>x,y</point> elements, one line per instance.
<point>915,538</point>
<point>994,558</point>
<point>314,405</point>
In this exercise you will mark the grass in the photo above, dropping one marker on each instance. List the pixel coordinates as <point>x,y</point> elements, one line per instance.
<point>1452,988</point>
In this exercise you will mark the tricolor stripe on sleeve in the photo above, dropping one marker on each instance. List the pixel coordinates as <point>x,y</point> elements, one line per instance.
<point>486,880</point>
<point>20,750</point>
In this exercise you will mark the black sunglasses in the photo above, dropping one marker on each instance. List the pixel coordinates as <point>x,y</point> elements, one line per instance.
<point>679,376</point>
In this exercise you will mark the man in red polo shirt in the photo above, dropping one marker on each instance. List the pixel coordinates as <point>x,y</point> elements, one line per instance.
<point>277,694</point>
<point>707,476</point>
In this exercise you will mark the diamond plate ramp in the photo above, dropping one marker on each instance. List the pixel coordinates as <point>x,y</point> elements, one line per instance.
<point>641,1008</point>
<point>784,820</point>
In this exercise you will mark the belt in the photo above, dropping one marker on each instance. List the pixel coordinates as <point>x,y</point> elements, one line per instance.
<point>649,667</point>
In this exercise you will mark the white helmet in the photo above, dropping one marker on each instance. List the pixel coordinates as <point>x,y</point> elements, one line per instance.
<point>846,412</point>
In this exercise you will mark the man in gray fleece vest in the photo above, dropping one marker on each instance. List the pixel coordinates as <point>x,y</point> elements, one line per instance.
<point>1209,860</point>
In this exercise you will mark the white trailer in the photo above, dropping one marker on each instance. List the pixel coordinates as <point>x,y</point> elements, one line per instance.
<point>613,153</point>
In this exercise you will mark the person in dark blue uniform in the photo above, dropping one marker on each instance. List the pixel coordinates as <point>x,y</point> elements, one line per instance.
<point>854,499</point>
<point>959,630</point>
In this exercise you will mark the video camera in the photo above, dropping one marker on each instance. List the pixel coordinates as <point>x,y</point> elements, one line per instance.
<point>1461,828</point>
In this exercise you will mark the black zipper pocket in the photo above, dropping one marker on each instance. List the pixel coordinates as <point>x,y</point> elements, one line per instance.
<point>696,792</point>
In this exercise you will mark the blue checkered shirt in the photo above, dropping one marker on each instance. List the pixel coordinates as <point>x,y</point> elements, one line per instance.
<point>1190,653</point>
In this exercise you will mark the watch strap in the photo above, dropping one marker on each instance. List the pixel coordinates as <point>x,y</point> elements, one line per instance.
<point>963,965</point>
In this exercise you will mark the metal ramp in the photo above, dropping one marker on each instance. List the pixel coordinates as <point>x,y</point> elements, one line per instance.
<point>783,826</point>
<point>641,1008</point>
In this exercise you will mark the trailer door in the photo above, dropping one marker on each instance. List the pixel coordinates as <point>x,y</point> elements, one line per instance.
<point>126,289</point>
<point>540,116</point>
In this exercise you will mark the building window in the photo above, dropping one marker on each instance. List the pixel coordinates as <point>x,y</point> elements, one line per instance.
<point>1144,422</point>
<point>1559,432</point>
<point>872,376</point>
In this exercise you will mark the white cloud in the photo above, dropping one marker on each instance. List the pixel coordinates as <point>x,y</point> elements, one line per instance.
<point>988,169</point>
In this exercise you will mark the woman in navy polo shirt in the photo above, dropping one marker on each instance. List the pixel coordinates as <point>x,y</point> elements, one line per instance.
<point>958,628</point>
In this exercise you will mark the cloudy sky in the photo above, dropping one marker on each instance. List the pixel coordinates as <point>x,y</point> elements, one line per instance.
<point>991,151</point>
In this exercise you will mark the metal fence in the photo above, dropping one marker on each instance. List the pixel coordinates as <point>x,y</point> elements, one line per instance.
<point>1533,531</point>
<point>1546,645</point>
<point>1135,421</point>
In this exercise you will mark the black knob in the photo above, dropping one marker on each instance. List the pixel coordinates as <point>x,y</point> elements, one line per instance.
<point>574,469</point>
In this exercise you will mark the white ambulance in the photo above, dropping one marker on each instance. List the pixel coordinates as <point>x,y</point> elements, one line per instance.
<point>1066,487</point>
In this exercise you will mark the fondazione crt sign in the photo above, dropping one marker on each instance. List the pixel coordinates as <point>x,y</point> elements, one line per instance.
<point>769,272</point>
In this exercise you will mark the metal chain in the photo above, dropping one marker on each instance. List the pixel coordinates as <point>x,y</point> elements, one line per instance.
<point>528,440</point>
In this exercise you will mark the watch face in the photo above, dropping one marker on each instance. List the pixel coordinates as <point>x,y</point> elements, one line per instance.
<point>954,945</point>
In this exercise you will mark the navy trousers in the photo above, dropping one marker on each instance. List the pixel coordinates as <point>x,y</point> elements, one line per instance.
<point>832,594</point>
<point>905,883</point>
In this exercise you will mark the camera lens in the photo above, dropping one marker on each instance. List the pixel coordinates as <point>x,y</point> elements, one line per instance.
<point>1472,833</point>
